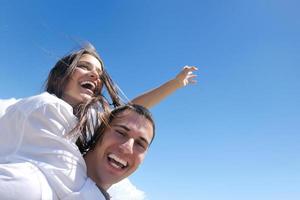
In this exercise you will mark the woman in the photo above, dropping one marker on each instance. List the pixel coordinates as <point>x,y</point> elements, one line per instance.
<point>41,131</point>
<point>36,131</point>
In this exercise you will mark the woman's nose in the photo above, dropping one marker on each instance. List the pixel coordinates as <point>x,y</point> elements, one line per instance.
<point>94,74</point>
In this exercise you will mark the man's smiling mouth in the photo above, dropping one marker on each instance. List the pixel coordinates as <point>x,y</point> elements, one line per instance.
<point>117,162</point>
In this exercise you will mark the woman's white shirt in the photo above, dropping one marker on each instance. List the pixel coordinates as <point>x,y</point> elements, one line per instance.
<point>5,103</point>
<point>34,130</point>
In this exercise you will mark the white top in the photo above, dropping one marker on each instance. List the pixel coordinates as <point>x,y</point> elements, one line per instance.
<point>5,103</point>
<point>33,130</point>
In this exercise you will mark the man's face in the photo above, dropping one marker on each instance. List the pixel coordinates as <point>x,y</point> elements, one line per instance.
<point>121,150</point>
<point>84,81</point>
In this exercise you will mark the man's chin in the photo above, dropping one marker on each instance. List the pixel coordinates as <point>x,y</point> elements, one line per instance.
<point>113,180</point>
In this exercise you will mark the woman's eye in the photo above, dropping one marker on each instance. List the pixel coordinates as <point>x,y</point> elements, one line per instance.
<point>83,66</point>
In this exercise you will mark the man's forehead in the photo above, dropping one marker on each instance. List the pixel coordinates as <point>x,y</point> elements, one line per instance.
<point>129,117</point>
<point>132,120</point>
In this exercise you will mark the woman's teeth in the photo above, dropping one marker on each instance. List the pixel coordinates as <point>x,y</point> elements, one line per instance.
<point>88,85</point>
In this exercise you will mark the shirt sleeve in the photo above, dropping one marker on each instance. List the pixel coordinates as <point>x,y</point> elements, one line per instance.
<point>45,144</point>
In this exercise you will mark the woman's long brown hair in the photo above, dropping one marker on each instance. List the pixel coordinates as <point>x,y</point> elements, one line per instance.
<point>87,119</point>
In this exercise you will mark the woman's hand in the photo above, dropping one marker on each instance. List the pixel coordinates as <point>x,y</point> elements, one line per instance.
<point>186,76</point>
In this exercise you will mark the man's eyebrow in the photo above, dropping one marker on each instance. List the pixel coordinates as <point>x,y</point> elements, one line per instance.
<point>122,126</point>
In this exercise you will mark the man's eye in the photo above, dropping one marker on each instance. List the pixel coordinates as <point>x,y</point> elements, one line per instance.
<point>120,133</point>
<point>142,145</point>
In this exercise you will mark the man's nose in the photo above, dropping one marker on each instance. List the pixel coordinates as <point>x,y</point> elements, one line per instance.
<point>127,147</point>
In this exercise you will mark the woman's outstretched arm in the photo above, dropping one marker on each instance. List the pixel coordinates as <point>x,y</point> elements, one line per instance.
<point>154,96</point>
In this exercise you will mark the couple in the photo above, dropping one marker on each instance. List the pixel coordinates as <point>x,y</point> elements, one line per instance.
<point>66,143</point>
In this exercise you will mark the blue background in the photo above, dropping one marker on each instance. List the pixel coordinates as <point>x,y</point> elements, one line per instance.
<point>234,135</point>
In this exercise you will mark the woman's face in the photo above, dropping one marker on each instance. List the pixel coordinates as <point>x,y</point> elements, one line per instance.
<point>84,82</point>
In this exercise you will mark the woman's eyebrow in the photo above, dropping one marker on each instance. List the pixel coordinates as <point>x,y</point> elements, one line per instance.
<point>84,62</point>
<point>99,70</point>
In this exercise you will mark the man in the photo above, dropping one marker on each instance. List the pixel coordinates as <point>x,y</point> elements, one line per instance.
<point>120,146</point>
<point>116,150</point>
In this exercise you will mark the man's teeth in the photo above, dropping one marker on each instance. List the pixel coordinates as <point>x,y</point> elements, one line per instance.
<point>115,165</point>
<point>117,162</point>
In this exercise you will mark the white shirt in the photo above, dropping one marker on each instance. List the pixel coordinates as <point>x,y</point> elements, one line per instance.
<point>5,103</point>
<point>33,130</point>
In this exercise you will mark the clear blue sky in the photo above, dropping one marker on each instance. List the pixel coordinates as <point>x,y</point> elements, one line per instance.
<point>233,136</point>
